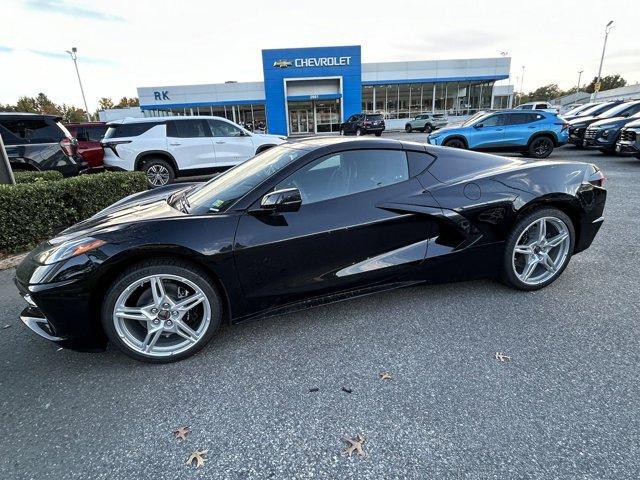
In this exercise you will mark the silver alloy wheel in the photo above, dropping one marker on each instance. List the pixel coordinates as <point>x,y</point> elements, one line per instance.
<point>165,323</point>
<point>541,250</point>
<point>158,175</point>
<point>358,132</point>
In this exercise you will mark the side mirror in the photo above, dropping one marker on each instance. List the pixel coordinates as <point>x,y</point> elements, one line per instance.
<point>285,200</point>
<point>478,125</point>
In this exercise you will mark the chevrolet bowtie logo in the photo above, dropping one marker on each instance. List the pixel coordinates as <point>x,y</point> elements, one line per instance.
<point>282,63</point>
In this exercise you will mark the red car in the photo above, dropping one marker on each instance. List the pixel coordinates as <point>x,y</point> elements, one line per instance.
<point>89,135</point>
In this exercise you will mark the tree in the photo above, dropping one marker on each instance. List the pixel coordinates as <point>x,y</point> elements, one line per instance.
<point>105,103</point>
<point>27,105</point>
<point>72,114</point>
<point>548,92</point>
<point>128,102</point>
<point>607,83</point>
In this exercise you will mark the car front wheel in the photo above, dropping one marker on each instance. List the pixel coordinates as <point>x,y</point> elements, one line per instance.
<point>538,249</point>
<point>455,143</point>
<point>359,132</point>
<point>161,311</point>
<point>159,172</point>
<point>408,128</point>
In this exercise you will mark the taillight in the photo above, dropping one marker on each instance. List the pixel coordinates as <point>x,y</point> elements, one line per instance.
<point>596,178</point>
<point>366,124</point>
<point>69,146</point>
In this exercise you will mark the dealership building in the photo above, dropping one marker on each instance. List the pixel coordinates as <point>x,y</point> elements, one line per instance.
<point>313,90</point>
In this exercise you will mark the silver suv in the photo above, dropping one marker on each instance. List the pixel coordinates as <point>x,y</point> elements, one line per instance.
<point>426,122</point>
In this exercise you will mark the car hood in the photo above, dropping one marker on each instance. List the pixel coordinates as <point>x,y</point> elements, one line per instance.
<point>617,121</point>
<point>143,206</point>
<point>581,120</point>
<point>634,124</point>
<point>449,128</point>
<point>266,138</point>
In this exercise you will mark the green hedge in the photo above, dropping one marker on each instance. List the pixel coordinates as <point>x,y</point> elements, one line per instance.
<point>32,177</point>
<point>35,210</point>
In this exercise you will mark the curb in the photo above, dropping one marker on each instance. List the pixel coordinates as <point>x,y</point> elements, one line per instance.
<point>11,262</point>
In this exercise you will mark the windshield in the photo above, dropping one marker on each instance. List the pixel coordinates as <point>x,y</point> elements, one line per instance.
<point>595,109</point>
<point>615,111</point>
<point>474,118</point>
<point>579,108</point>
<point>218,194</point>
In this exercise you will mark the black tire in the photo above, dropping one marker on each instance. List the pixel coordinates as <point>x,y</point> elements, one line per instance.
<point>167,266</point>
<point>428,128</point>
<point>341,131</point>
<point>408,128</point>
<point>540,147</point>
<point>455,143</point>
<point>359,132</point>
<point>378,134</point>
<point>508,275</point>
<point>159,172</point>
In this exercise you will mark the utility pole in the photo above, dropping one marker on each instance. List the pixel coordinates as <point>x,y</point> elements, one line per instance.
<point>522,81</point>
<point>607,29</point>
<point>74,56</point>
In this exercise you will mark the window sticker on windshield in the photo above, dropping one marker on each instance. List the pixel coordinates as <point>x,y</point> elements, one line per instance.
<point>217,204</point>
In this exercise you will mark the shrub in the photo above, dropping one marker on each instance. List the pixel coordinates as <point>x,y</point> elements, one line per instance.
<point>32,177</point>
<point>34,211</point>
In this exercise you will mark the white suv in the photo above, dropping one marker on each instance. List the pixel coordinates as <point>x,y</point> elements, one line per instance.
<point>169,147</point>
<point>545,106</point>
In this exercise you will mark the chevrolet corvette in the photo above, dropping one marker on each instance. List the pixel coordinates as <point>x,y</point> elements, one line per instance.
<point>299,225</point>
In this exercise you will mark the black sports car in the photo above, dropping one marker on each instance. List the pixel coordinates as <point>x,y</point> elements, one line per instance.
<point>301,224</point>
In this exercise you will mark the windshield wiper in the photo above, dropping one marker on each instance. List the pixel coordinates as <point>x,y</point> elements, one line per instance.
<point>181,197</point>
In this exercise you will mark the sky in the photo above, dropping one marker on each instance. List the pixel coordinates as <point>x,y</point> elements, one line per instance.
<point>124,44</point>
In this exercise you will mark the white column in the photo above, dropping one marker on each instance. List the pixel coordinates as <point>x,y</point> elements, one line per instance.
<point>433,100</point>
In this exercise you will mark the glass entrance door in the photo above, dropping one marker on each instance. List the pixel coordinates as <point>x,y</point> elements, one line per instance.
<point>301,118</point>
<point>327,116</point>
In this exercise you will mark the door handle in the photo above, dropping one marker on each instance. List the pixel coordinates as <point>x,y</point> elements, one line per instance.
<point>220,142</point>
<point>175,144</point>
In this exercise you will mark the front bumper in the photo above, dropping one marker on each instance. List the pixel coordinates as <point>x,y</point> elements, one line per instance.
<point>594,139</point>
<point>576,135</point>
<point>628,147</point>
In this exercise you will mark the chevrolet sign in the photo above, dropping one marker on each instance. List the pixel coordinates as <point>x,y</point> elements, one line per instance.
<point>314,62</point>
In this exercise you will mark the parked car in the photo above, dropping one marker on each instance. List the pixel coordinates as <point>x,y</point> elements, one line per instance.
<point>544,106</point>
<point>169,147</point>
<point>301,224</point>
<point>426,122</point>
<point>362,124</point>
<point>575,109</point>
<point>629,140</point>
<point>604,134</point>
<point>40,142</point>
<point>593,110</point>
<point>89,136</point>
<point>578,126</point>
<point>535,133</point>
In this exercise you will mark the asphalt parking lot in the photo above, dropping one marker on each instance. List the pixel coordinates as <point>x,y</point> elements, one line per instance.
<point>565,406</point>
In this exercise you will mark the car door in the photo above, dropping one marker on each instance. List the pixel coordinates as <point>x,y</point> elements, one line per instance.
<point>520,127</point>
<point>349,126</point>
<point>190,143</point>
<point>231,144</point>
<point>488,133</point>
<point>341,237</point>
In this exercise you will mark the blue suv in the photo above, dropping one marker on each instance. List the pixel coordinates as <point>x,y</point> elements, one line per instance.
<point>534,133</point>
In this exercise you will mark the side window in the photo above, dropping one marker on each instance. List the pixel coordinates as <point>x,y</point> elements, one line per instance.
<point>632,110</point>
<point>188,129</point>
<point>224,129</point>
<point>34,131</point>
<point>519,118</point>
<point>9,138</point>
<point>418,162</point>
<point>526,107</point>
<point>82,134</point>
<point>492,121</point>
<point>541,106</point>
<point>95,134</point>
<point>345,173</point>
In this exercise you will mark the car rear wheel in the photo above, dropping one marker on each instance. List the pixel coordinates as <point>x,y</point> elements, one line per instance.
<point>408,128</point>
<point>541,147</point>
<point>454,143</point>
<point>538,249</point>
<point>378,134</point>
<point>161,311</point>
<point>427,128</point>
<point>359,132</point>
<point>159,172</point>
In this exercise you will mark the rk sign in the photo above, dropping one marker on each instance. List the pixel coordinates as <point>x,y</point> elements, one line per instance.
<point>161,95</point>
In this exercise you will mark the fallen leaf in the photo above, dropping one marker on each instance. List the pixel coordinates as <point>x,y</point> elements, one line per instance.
<point>181,433</point>
<point>6,326</point>
<point>345,389</point>
<point>385,376</point>
<point>355,445</point>
<point>198,457</point>
<point>502,357</point>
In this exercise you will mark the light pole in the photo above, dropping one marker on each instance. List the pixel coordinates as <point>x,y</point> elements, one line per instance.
<point>607,29</point>
<point>522,81</point>
<point>74,56</point>
<point>579,77</point>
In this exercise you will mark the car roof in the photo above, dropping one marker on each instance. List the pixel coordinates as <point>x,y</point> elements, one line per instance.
<point>85,124</point>
<point>339,143</point>
<point>21,115</point>
<point>164,119</point>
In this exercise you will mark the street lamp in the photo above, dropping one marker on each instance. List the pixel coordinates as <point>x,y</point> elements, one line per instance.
<point>579,77</point>
<point>74,56</point>
<point>607,29</point>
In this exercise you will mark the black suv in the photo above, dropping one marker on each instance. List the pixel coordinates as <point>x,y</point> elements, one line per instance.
<point>629,141</point>
<point>40,142</point>
<point>578,126</point>
<point>363,123</point>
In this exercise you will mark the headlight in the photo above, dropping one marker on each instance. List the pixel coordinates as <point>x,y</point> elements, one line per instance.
<point>69,249</point>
